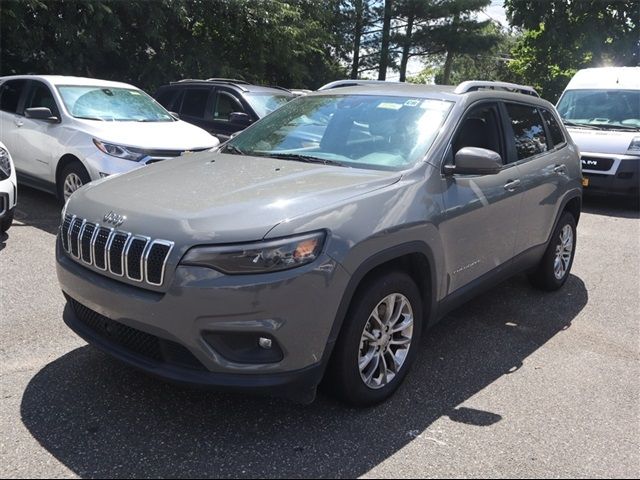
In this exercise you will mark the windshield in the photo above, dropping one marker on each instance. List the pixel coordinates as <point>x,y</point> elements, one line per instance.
<point>112,104</point>
<point>365,131</point>
<point>265,103</point>
<point>609,109</point>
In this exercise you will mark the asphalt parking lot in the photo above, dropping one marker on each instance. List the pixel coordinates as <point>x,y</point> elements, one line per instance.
<point>516,382</point>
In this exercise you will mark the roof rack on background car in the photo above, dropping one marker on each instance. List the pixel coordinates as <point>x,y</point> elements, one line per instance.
<point>475,85</point>
<point>228,80</point>
<point>355,83</point>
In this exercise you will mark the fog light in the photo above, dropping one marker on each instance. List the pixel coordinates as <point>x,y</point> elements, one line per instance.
<point>265,343</point>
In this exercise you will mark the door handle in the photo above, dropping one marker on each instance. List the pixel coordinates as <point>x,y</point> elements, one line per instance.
<point>512,186</point>
<point>560,169</point>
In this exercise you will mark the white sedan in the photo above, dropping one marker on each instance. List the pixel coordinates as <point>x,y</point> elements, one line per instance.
<point>8,189</point>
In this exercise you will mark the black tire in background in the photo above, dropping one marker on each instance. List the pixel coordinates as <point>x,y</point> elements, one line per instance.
<point>73,169</point>
<point>6,223</point>
<point>544,277</point>
<point>343,378</point>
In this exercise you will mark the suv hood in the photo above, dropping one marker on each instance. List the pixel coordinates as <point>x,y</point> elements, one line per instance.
<point>176,135</point>
<point>602,141</point>
<point>221,198</point>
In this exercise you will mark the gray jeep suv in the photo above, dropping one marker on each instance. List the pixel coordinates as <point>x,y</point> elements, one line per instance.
<point>322,241</point>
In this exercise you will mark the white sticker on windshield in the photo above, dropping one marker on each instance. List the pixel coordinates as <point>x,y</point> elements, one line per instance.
<point>390,106</point>
<point>435,105</point>
<point>134,93</point>
<point>412,103</point>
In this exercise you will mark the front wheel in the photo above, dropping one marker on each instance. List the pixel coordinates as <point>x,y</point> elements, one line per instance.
<point>379,341</point>
<point>73,177</point>
<point>555,266</point>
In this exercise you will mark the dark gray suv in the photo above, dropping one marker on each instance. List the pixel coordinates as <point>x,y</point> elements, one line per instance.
<point>322,241</point>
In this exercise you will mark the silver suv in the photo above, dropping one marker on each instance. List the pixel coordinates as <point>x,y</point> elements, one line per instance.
<point>322,241</point>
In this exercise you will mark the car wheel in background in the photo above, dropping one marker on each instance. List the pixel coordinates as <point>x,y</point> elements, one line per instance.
<point>73,177</point>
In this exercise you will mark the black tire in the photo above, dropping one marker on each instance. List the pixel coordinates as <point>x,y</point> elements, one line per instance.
<point>343,377</point>
<point>74,168</point>
<point>6,223</point>
<point>544,277</point>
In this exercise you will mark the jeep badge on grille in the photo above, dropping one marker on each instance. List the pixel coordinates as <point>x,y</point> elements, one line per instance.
<point>114,219</point>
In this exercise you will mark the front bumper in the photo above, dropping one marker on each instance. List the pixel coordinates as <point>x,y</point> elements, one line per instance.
<point>8,196</point>
<point>621,178</point>
<point>296,309</point>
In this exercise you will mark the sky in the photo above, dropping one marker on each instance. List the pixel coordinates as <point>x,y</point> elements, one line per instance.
<point>494,12</point>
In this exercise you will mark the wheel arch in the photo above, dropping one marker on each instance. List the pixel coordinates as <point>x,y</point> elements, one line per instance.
<point>65,160</point>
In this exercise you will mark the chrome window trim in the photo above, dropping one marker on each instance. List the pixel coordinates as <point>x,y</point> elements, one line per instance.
<point>147,240</point>
<point>164,264</point>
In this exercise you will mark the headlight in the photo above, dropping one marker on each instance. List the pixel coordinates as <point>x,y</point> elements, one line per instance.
<point>126,153</point>
<point>5,164</point>
<point>634,147</point>
<point>259,257</point>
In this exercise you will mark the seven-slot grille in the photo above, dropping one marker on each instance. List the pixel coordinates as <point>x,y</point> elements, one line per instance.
<point>122,254</point>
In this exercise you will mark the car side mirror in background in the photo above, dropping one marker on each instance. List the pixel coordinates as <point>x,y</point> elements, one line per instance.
<point>475,161</point>
<point>240,119</point>
<point>41,113</point>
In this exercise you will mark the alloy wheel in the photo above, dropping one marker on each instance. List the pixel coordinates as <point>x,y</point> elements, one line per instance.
<point>385,341</point>
<point>564,251</point>
<point>71,183</point>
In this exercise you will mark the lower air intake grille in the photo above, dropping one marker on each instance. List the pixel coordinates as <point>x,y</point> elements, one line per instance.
<point>135,341</point>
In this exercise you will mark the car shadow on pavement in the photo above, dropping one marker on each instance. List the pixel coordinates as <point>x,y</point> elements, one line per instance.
<point>102,419</point>
<point>37,209</point>
<point>611,206</point>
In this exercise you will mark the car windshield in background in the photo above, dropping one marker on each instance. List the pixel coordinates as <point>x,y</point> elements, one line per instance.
<point>112,104</point>
<point>265,103</point>
<point>608,109</point>
<point>365,131</point>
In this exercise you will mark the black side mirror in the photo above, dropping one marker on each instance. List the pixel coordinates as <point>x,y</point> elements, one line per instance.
<point>241,119</point>
<point>41,113</point>
<point>475,161</point>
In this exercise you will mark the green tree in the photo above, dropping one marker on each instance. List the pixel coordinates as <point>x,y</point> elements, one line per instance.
<point>562,36</point>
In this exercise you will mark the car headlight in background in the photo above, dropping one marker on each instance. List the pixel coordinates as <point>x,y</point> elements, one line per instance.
<point>119,151</point>
<point>634,147</point>
<point>259,257</point>
<point>5,164</point>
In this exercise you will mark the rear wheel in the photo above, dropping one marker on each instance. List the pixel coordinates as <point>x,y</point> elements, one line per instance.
<point>7,221</point>
<point>73,177</point>
<point>555,266</point>
<point>379,341</point>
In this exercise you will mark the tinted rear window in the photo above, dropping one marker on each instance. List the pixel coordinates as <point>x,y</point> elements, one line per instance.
<point>194,102</point>
<point>10,94</point>
<point>166,98</point>
<point>528,130</point>
<point>557,137</point>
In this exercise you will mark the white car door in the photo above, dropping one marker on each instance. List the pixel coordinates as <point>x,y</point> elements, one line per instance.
<point>11,94</point>
<point>39,138</point>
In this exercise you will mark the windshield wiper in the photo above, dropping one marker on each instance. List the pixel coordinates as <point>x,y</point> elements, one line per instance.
<point>569,123</point>
<point>613,126</point>
<point>92,118</point>
<point>228,148</point>
<point>303,158</point>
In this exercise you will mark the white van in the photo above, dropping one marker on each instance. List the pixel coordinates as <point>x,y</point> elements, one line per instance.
<point>64,132</point>
<point>601,109</point>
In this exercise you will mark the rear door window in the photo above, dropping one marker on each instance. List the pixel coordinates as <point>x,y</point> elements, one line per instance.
<point>557,137</point>
<point>10,94</point>
<point>528,130</point>
<point>194,103</point>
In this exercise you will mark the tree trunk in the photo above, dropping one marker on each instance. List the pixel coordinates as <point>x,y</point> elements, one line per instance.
<point>357,38</point>
<point>406,48</point>
<point>448,64</point>
<point>386,34</point>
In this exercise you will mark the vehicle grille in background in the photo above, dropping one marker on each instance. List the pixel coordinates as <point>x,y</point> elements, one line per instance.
<point>136,341</point>
<point>597,163</point>
<point>134,257</point>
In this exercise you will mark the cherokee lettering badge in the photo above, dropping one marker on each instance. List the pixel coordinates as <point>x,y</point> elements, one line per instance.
<point>114,219</point>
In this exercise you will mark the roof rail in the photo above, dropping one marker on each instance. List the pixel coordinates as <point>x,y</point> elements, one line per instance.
<point>355,83</point>
<point>228,80</point>
<point>475,85</point>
